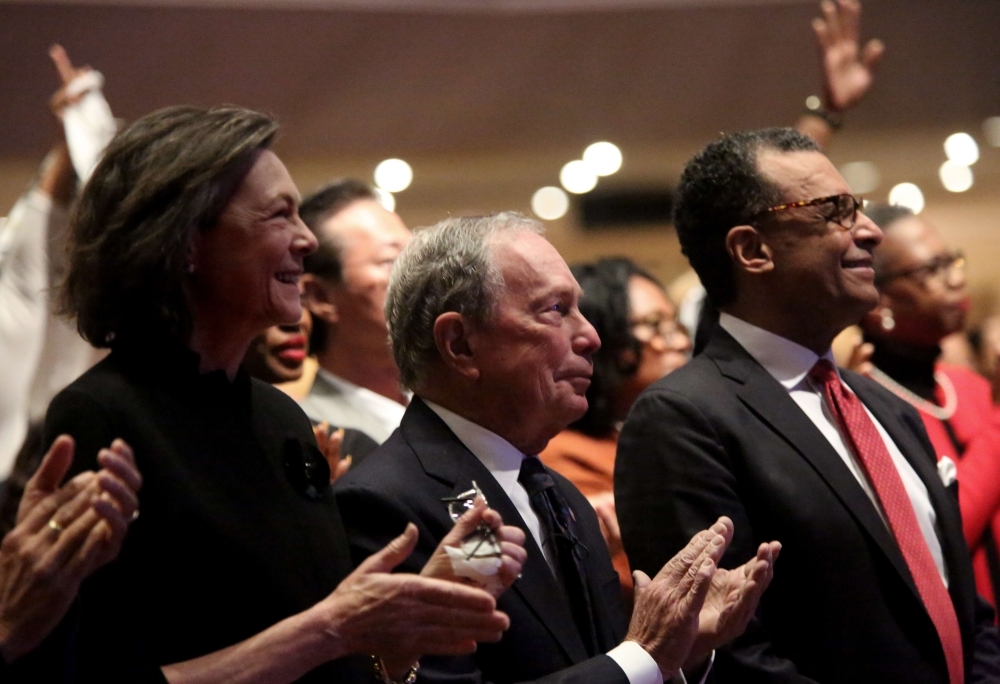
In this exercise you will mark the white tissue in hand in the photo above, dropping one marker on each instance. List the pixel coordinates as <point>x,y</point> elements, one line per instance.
<point>477,559</point>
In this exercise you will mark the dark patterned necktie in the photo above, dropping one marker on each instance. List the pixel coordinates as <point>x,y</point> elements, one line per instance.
<point>560,539</point>
<point>867,443</point>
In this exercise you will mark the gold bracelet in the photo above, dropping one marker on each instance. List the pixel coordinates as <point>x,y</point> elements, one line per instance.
<point>383,676</point>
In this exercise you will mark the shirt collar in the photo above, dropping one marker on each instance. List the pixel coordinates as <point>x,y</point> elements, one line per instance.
<point>348,388</point>
<point>495,452</point>
<point>787,361</point>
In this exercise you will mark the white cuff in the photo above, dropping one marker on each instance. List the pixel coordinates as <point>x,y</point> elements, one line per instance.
<point>639,666</point>
<point>38,200</point>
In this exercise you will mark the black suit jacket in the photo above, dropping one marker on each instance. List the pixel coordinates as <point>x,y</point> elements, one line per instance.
<point>405,480</point>
<point>721,436</point>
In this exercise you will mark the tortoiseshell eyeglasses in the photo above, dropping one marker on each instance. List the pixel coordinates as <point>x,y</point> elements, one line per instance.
<point>844,208</point>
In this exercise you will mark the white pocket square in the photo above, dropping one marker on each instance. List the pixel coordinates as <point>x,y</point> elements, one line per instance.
<point>947,471</point>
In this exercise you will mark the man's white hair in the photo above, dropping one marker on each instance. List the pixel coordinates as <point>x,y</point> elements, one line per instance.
<point>447,267</point>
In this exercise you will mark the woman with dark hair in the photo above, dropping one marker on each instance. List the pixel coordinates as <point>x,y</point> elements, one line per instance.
<point>922,300</point>
<point>641,341</point>
<point>186,244</point>
<point>278,356</point>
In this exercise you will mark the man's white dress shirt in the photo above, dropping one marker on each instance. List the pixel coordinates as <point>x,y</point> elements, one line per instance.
<point>503,461</point>
<point>789,363</point>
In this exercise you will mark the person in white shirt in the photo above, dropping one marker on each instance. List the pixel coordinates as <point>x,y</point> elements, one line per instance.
<point>41,352</point>
<point>357,384</point>
<point>486,330</point>
<point>876,584</point>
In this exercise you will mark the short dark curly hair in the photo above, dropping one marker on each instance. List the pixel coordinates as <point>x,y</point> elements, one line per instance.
<point>721,188</point>
<point>605,304</point>
<point>164,177</point>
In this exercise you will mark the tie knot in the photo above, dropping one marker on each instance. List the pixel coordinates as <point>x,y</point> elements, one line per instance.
<point>824,374</point>
<point>533,476</point>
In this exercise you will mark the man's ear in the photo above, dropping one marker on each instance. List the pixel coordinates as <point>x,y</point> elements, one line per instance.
<point>318,298</point>
<point>748,250</point>
<point>452,337</point>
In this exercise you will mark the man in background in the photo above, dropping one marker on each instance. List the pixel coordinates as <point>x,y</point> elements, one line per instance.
<point>357,384</point>
<point>487,332</point>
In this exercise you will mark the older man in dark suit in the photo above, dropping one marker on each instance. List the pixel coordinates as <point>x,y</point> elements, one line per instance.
<point>486,330</point>
<point>876,583</point>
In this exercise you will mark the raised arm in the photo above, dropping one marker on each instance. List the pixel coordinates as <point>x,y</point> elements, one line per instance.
<point>848,69</point>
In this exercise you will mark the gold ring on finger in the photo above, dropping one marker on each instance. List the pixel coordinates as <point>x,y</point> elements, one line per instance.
<point>53,525</point>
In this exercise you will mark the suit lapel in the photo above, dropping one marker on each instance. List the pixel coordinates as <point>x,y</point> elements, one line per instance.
<point>766,397</point>
<point>446,459</point>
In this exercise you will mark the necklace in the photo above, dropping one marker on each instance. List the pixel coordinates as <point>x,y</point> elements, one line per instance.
<point>942,413</point>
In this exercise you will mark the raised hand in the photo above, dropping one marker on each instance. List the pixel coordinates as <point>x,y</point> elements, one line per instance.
<point>511,545</point>
<point>329,445</point>
<point>667,608</point>
<point>607,517</point>
<point>67,73</point>
<point>861,358</point>
<point>848,69</point>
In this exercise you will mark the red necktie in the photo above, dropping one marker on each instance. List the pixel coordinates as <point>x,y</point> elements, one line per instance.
<point>874,456</point>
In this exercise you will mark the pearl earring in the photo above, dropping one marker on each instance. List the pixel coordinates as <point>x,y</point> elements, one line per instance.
<point>190,268</point>
<point>888,322</point>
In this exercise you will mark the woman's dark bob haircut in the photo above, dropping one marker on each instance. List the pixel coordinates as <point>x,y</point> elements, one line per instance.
<point>167,175</point>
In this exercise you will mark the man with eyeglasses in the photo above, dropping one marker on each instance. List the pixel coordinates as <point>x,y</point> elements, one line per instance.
<point>875,583</point>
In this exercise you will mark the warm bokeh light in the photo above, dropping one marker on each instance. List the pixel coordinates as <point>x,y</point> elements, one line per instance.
<point>961,149</point>
<point>603,158</point>
<point>550,203</point>
<point>861,176</point>
<point>955,177</point>
<point>386,199</point>
<point>393,175</point>
<point>907,195</point>
<point>577,177</point>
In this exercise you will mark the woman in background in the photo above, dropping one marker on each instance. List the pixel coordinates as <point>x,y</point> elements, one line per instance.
<point>279,356</point>
<point>641,342</point>
<point>922,301</point>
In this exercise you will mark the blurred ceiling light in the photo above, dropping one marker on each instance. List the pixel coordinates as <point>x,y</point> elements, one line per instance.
<point>907,195</point>
<point>961,149</point>
<point>577,177</point>
<point>861,176</point>
<point>386,199</point>
<point>393,175</point>
<point>550,203</point>
<point>991,129</point>
<point>955,177</point>
<point>603,158</point>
